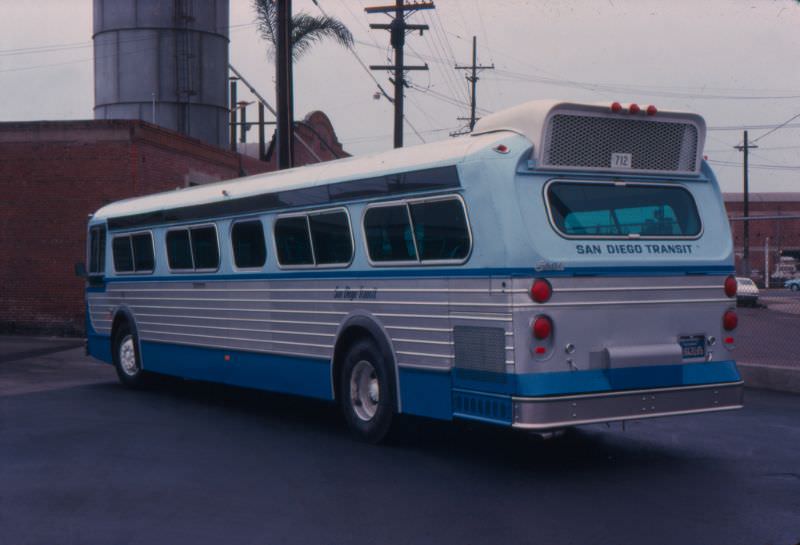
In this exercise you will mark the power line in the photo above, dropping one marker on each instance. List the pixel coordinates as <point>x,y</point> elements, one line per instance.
<point>785,123</point>
<point>738,128</point>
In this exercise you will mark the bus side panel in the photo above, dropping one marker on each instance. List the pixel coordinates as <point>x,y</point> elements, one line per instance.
<point>291,375</point>
<point>97,345</point>
<point>426,393</point>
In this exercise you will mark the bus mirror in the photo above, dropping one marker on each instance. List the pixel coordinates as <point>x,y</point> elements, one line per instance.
<point>80,270</point>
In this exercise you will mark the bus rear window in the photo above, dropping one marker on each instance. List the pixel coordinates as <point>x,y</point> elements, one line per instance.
<point>610,210</point>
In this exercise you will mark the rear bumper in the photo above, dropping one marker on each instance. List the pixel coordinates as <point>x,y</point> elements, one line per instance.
<point>541,413</point>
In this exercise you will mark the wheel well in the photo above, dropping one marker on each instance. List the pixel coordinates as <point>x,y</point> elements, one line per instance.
<point>120,319</point>
<point>343,344</point>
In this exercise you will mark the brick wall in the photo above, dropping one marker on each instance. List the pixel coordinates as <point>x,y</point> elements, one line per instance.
<point>52,176</point>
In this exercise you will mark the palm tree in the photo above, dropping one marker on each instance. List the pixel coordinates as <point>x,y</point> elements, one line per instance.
<point>304,30</point>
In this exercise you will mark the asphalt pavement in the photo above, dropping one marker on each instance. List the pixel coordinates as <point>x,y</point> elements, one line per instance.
<point>84,461</point>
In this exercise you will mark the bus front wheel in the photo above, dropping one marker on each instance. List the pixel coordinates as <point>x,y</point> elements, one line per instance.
<point>127,361</point>
<point>365,392</point>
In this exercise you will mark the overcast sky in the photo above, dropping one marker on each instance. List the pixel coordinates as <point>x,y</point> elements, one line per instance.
<point>735,62</point>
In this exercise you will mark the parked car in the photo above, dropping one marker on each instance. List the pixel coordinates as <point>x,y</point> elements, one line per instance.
<point>793,284</point>
<point>746,292</point>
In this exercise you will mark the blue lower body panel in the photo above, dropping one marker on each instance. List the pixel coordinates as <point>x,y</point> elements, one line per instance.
<point>476,395</point>
<point>291,375</point>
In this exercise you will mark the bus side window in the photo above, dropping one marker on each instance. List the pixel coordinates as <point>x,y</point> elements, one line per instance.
<point>123,254</point>
<point>249,248</point>
<point>293,241</point>
<point>389,236</point>
<point>204,247</point>
<point>97,250</point>
<point>330,232</point>
<point>133,253</point>
<point>441,229</point>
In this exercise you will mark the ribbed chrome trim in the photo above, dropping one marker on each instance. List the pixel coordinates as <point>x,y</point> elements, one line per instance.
<point>239,348</point>
<point>270,341</point>
<point>319,301</point>
<point>271,331</point>
<point>568,423</point>
<point>624,393</point>
<point>635,288</point>
<point>236,319</point>
<point>426,355</point>
<point>441,343</point>
<point>415,328</point>
<point>424,368</point>
<point>618,303</point>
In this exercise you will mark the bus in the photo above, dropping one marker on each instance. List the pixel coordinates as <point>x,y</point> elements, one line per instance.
<point>564,264</point>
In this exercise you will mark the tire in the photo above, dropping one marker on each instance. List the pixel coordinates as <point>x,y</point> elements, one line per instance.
<point>795,287</point>
<point>127,361</point>
<point>366,391</point>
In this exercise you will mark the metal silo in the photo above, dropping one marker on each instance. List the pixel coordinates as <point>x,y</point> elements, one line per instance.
<point>163,61</point>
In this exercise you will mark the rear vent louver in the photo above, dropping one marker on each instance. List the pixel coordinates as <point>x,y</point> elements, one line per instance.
<point>480,348</point>
<point>586,141</point>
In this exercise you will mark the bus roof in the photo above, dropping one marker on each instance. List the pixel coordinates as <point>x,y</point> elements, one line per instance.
<point>528,119</point>
<point>443,153</point>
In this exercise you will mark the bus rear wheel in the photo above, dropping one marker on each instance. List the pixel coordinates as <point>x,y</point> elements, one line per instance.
<point>126,358</point>
<point>366,392</point>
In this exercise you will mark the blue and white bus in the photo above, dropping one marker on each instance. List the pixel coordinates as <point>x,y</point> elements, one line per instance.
<point>564,264</point>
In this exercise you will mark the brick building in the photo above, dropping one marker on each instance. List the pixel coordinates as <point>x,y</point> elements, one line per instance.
<point>780,237</point>
<point>54,174</point>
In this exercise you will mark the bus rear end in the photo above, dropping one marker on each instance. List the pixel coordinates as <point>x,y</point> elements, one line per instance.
<point>630,310</point>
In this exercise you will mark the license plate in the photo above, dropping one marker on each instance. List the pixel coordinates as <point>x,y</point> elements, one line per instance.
<point>693,346</point>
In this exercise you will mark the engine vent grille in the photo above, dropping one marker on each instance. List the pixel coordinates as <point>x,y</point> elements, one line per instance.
<point>585,141</point>
<point>480,348</point>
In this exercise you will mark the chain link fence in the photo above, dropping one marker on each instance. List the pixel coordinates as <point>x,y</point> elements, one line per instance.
<point>769,327</point>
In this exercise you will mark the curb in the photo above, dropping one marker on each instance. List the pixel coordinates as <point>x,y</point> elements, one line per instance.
<point>770,377</point>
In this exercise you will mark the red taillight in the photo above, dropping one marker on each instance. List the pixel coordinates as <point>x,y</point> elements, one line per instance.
<point>652,110</point>
<point>730,286</point>
<point>541,290</point>
<point>616,107</point>
<point>634,108</point>
<point>542,327</point>
<point>730,320</point>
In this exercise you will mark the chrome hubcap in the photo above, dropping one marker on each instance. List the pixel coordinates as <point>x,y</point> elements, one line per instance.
<point>127,356</point>
<point>365,392</point>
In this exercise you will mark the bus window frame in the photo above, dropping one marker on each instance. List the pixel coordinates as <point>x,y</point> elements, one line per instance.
<point>101,272</point>
<point>629,237</point>
<point>194,268</point>
<point>307,214</point>
<point>130,236</point>
<point>234,267</point>
<point>418,261</point>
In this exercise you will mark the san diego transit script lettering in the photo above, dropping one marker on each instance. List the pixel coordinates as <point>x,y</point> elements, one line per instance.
<point>633,249</point>
<point>351,294</point>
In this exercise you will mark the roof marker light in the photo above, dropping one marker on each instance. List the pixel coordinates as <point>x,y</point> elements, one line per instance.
<point>616,107</point>
<point>652,110</point>
<point>502,148</point>
<point>634,108</point>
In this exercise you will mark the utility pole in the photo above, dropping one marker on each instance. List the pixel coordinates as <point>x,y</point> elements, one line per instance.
<point>746,253</point>
<point>397,29</point>
<point>283,72</point>
<point>233,108</point>
<point>473,80</point>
